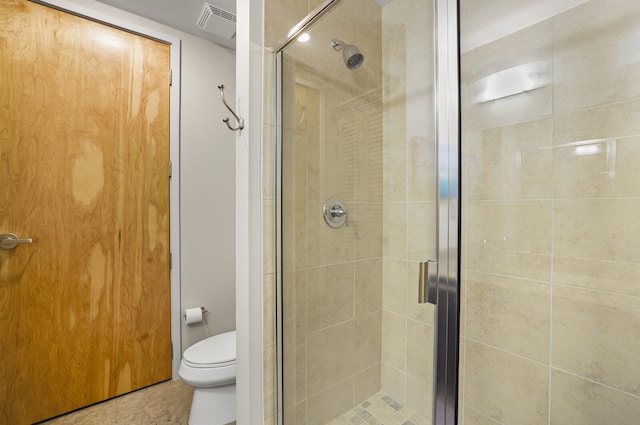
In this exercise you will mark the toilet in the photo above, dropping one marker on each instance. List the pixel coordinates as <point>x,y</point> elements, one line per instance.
<point>210,367</point>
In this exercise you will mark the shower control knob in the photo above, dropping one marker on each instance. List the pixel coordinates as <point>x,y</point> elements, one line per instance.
<point>335,213</point>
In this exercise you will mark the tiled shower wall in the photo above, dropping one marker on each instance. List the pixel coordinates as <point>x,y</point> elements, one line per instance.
<point>332,277</point>
<point>365,276</point>
<point>409,206</point>
<point>550,214</point>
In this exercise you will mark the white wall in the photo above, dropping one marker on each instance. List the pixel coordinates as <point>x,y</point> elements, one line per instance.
<point>249,264</point>
<point>207,175</point>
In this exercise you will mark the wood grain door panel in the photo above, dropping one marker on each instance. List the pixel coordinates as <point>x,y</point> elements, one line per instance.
<point>84,154</point>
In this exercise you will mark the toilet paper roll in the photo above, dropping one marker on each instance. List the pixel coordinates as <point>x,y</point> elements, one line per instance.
<point>192,315</point>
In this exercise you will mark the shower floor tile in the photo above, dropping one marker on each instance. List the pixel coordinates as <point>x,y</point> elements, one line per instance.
<point>380,409</point>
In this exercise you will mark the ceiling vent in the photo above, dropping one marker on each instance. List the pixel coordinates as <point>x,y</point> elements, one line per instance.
<point>217,21</point>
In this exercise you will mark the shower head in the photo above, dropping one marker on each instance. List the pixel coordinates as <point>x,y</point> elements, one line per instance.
<point>352,56</point>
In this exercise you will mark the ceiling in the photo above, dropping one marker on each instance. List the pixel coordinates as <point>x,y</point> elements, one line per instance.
<point>179,14</point>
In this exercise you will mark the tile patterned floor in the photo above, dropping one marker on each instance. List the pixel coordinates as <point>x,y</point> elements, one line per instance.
<point>380,409</point>
<point>167,403</point>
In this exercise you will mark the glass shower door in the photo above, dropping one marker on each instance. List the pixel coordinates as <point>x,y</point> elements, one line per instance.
<point>358,200</point>
<point>551,258</point>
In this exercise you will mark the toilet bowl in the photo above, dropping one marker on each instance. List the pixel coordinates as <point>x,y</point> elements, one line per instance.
<point>210,367</point>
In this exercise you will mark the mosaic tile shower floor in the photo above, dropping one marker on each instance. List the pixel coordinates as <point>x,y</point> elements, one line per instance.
<point>380,409</point>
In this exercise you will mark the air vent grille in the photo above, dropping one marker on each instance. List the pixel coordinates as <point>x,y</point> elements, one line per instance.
<point>209,10</point>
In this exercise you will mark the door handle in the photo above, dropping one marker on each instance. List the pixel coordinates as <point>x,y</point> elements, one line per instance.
<point>10,241</point>
<point>428,282</point>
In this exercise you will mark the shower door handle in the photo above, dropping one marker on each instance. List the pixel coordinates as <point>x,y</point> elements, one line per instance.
<point>10,241</point>
<point>428,282</point>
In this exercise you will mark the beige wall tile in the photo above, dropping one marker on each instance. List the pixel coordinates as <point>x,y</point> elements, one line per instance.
<point>394,277</point>
<point>420,353</point>
<point>294,372</point>
<point>394,382</point>
<point>394,340</point>
<point>420,397</point>
<point>473,417</point>
<point>461,379</point>
<point>603,229</point>
<point>609,121</point>
<point>394,232</point>
<point>296,414</point>
<point>369,158</point>
<point>511,225</point>
<point>516,162</point>
<point>330,295</point>
<point>582,176</point>
<point>269,382</point>
<point>329,404</point>
<point>294,304</point>
<point>493,20</point>
<point>368,335</point>
<point>395,173</point>
<point>394,115</point>
<point>367,221</point>
<point>332,159</point>
<point>421,232</point>
<point>420,123</point>
<point>419,20</point>
<point>269,90</point>
<point>577,401</point>
<point>510,238</point>
<point>605,57</point>
<point>268,310</point>
<point>591,336</point>
<point>494,386</point>
<point>268,162</point>
<point>511,314</point>
<point>531,48</point>
<point>294,235</point>
<point>368,286</point>
<point>516,263</point>
<point>367,383</point>
<point>330,354</point>
<point>509,110</point>
<point>592,273</point>
<point>268,244</point>
<point>421,164</point>
<point>609,167</point>
<point>327,245</point>
<point>626,170</point>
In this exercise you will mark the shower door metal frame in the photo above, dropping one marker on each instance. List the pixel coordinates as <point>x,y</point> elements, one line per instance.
<point>447,311</point>
<point>447,129</point>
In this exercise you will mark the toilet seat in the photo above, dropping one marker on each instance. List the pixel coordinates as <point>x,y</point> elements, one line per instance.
<point>210,362</point>
<point>212,352</point>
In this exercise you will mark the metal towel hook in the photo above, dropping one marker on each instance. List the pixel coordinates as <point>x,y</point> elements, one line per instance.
<point>226,120</point>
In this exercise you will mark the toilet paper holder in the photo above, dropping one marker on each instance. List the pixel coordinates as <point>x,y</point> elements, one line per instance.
<point>194,315</point>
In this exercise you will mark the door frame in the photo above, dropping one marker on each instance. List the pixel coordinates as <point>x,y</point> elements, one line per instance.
<point>174,150</point>
<point>447,287</point>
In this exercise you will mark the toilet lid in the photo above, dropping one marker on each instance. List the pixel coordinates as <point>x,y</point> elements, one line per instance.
<point>215,351</point>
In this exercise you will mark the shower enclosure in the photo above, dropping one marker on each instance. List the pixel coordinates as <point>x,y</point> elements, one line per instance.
<point>458,197</point>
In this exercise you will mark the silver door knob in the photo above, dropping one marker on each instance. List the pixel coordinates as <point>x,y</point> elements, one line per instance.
<point>10,241</point>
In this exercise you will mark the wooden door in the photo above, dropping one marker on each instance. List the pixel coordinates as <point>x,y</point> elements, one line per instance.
<point>84,154</point>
